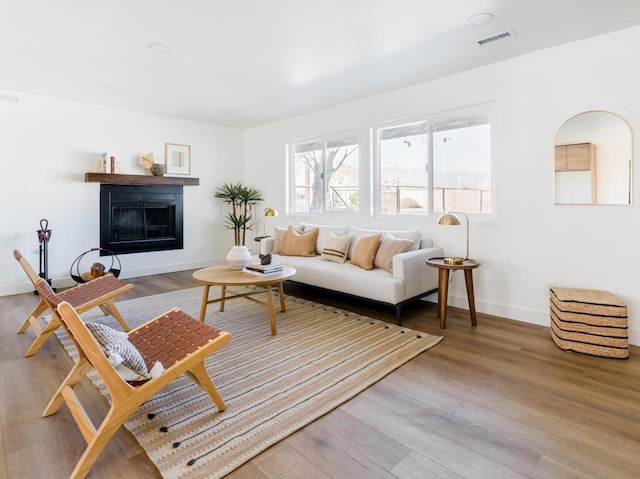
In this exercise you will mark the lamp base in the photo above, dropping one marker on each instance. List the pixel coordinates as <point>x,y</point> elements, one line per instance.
<point>453,260</point>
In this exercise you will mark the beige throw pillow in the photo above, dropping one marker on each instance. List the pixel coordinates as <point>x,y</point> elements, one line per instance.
<point>388,249</point>
<point>335,248</point>
<point>299,244</point>
<point>364,251</point>
<point>278,239</point>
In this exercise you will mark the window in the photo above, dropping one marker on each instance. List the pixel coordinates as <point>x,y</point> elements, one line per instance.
<point>325,174</point>
<point>435,165</point>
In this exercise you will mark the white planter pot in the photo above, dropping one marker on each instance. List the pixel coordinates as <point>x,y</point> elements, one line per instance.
<point>238,257</point>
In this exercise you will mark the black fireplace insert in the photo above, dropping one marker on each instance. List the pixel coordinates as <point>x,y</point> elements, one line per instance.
<point>140,218</point>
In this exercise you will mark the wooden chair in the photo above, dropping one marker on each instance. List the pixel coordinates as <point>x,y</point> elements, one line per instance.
<point>100,292</point>
<point>180,342</point>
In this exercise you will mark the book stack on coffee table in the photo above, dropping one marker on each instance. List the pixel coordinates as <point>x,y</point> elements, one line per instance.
<point>263,269</point>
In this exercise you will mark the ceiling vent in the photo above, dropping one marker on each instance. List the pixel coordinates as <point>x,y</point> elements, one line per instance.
<point>495,38</point>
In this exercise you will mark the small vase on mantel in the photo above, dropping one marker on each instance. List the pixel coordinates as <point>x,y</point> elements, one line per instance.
<point>157,169</point>
<point>238,257</point>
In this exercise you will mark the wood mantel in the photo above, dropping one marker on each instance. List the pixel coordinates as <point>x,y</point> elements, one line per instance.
<point>117,179</point>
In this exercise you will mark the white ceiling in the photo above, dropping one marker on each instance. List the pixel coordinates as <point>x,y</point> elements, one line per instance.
<point>231,62</point>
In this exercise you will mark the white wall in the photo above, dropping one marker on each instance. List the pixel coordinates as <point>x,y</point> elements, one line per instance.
<point>47,145</point>
<point>529,240</point>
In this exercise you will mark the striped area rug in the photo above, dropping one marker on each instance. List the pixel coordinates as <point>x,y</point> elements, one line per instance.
<point>272,385</point>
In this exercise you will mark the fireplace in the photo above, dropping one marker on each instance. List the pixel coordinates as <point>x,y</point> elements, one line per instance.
<point>140,218</point>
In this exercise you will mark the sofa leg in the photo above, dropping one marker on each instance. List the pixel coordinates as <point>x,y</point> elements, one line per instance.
<point>399,314</point>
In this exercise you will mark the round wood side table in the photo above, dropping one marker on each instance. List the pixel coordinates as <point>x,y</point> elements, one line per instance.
<point>468,265</point>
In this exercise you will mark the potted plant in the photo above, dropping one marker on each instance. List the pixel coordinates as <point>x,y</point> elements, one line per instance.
<point>242,199</point>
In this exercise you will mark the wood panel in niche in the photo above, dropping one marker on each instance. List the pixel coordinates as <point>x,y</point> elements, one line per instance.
<point>578,157</point>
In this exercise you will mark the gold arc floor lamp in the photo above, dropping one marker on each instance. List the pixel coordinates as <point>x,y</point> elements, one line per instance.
<point>452,219</point>
<point>267,212</point>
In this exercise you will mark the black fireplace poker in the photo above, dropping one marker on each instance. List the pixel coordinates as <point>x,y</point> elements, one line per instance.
<point>44,235</point>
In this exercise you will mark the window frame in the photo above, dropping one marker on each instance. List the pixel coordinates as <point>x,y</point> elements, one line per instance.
<point>481,110</point>
<point>291,145</point>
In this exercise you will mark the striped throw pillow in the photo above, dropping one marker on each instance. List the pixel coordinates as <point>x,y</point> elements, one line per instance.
<point>120,352</point>
<point>336,248</point>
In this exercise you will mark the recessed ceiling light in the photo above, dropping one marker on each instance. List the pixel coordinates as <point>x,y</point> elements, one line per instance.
<point>293,88</point>
<point>480,19</point>
<point>158,47</point>
<point>110,88</point>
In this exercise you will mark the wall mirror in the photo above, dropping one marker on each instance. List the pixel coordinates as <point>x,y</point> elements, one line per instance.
<point>592,161</point>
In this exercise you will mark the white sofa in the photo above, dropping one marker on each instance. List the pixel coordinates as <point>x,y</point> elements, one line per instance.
<point>411,279</point>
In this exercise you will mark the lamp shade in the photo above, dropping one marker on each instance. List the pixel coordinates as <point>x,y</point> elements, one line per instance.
<point>449,219</point>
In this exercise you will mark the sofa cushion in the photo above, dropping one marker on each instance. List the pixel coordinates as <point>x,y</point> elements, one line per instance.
<point>364,251</point>
<point>389,247</point>
<point>300,244</point>
<point>376,284</point>
<point>336,248</point>
<point>326,231</point>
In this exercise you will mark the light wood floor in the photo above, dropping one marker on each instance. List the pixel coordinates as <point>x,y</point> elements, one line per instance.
<point>499,400</point>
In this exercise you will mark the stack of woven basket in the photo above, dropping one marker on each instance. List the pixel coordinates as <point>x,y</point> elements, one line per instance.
<point>590,322</point>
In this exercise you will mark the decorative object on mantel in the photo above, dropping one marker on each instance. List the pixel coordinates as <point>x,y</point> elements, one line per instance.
<point>177,159</point>
<point>102,164</point>
<point>109,166</point>
<point>242,199</point>
<point>148,163</point>
<point>157,169</point>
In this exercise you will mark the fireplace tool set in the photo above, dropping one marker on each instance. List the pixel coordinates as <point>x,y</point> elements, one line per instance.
<point>44,235</point>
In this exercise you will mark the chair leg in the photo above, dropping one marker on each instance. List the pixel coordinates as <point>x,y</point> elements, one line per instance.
<point>79,370</point>
<point>200,375</point>
<point>35,314</point>
<point>110,307</point>
<point>47,331</point>
<point>111,423</point>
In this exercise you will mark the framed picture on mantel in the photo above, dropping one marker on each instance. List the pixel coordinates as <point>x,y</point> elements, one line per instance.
<point>177,159</point>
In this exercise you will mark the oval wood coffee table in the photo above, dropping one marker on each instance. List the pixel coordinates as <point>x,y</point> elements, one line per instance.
<point>224,276</point>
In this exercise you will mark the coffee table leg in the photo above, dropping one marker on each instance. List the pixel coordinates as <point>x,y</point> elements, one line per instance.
<point>205,300</point>
<point>443,291</point>
<point>224,295</point>
<point>283,308</point>
<point>272,313</point>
